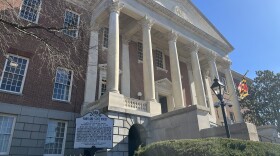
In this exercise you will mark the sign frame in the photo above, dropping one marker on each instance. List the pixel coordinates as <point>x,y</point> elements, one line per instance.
<point>97,122</point>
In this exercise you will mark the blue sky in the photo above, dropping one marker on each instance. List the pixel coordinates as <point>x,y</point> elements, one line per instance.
<point>252,27</point>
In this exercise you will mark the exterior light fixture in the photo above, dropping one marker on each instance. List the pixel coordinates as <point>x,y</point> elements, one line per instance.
<point>219,90</point>
<point>139,94</point>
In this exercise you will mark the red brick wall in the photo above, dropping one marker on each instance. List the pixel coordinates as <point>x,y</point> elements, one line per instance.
<point>39,81</point>
<point>136,74</point>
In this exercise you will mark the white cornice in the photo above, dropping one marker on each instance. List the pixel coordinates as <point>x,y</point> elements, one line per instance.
<point>184,23</point>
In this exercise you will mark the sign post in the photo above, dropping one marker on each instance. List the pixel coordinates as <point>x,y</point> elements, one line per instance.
<point>94,130</point>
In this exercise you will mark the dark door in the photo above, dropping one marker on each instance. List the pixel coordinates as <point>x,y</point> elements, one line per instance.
<point>136,137</point>
<point>163,102</point>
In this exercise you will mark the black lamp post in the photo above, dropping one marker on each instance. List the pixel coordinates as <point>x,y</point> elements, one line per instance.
<point>219,90</point>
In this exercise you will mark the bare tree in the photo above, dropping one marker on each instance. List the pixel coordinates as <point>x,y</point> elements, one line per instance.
<point>48,38</point>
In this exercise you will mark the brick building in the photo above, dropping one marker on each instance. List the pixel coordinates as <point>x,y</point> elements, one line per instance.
<point>148,64</point>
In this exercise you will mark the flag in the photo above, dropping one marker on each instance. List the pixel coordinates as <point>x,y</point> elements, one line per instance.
<point>243,89</point>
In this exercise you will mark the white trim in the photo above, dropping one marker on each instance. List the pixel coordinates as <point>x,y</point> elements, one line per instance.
<point>163,87</point>
<point>11,136</point>
<point>139,51</point>
<point>24,75</point>
<point>102,73</point>
<point>163,61</point>
<point>78,23</point>
<point>103,47</point>
<point>38,13</point>
<point>64,138</point>
<point>70,87</point>
<point>224,81</point>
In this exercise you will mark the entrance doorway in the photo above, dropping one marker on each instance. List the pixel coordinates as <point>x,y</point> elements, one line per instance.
<point>136,137</point>
<point>163,102</point>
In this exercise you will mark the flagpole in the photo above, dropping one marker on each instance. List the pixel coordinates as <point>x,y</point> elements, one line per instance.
<point>245,74</point>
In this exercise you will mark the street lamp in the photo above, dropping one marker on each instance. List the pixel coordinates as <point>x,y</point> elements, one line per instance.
<point>219,90</point>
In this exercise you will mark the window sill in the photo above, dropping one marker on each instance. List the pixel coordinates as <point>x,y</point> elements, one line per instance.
<point>104,48</point>
<point>10,92</point>
<point>61,101</point>
<point>161,69</point>
<point>34,22</point>
<point>140,61</point>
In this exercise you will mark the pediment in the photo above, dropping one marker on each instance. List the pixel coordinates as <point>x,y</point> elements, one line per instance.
<point>186,10</point>
<point>164,83</point>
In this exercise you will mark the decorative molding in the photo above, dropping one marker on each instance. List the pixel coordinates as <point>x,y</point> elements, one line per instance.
<point>146,22</point>
<point>185,24</point>
<point>163,85</point>
<point>226,63</point>
<point>172,36</point>
<point>125,40</point>
<point>194,47</point>
<point>116,7</point>
<point>212,56</point>
<point>179,11</point>
<point>95,26</point>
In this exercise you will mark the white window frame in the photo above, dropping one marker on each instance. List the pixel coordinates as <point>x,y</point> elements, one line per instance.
<point>78,23</point>
<point>224,81</point>
<point>139,51</point>
<point>102,74</point>
<point>163,68</point>
<point>11,136</point>
<point>38,13</point>
<point>24,75</point>
<point>70,87</point>
<point>103,38</point>
<point>64,138</point>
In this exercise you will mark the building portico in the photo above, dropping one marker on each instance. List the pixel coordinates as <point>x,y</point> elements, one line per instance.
<point>149,48</point>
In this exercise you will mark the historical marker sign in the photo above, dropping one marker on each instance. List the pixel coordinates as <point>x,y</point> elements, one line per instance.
<point>94,129</point>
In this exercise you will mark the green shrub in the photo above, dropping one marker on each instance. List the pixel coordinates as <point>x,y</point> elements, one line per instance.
<point>209,147</point>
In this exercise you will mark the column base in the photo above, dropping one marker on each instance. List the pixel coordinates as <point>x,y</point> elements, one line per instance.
<point>114,91</point>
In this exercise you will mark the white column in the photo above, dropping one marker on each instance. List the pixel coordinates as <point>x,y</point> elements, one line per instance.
<point>192,85</point>
<point>209,96</point>
<point>213,67</point>
<point>113,49</point>
<point>148,65</point>
<point>232,92</point>
<point>125,86</point>
<point>175,71</point>
<point>200,92</point>
<point>91,75</point>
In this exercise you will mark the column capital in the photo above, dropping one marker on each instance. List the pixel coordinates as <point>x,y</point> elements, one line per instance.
<point>195,47</point>
<point>212,55</point>
<point>94,26</point>
<point>172,36</point>
<point>205,72</point>
<point>146,22</point>
<point>125,40</point>
<point>116,6</point>
<point>226,63</point>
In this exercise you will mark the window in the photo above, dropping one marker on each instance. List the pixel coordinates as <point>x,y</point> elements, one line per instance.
<point>105,37</point>
<point>225,83</point>
<point>7,124</point>
<point>63,84</point>
<point>13,76</point>
<point>55,139</point>
<point>71,23</point>
<point>103,86</point>
<point>159,59</point>
<point>30,10</point>
<point>140,51</point>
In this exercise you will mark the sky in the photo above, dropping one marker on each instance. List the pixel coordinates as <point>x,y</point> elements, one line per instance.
<point>253,29</point>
